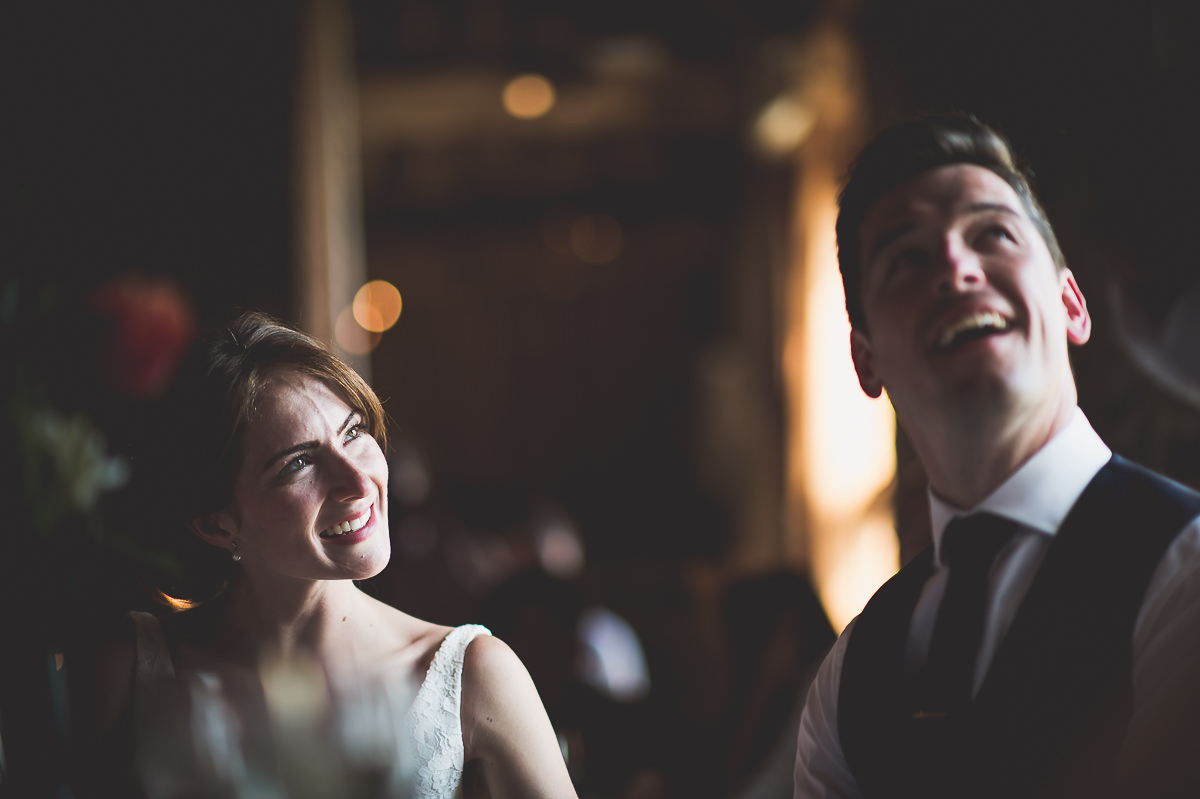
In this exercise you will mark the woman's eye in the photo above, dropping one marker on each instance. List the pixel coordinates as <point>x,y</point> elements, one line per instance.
<point>296,464</point>
<point>355,432</point>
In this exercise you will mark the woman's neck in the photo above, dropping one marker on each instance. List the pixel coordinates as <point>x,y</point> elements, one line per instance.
<point>293,615</point>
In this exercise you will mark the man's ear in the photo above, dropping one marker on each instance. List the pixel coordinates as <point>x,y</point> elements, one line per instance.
<point>864,364</point>
<point>212,528</point>
<point>1079,321</point>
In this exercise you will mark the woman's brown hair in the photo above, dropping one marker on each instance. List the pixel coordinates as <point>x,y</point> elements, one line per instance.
<point>189,471</point>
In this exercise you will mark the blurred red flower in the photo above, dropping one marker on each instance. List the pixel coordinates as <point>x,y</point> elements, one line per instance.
<point>151,326</point>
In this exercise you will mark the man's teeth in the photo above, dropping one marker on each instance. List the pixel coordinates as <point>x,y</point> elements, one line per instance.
<point>346,527</point>
<point>982,320</point>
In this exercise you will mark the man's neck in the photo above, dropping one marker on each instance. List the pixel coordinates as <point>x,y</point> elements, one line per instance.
<point>974,454</point>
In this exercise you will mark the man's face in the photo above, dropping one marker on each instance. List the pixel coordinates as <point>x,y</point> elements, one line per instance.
<point>963,299</point>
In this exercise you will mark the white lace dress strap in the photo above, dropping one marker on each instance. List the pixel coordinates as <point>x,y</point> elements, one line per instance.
<point>435,718</point>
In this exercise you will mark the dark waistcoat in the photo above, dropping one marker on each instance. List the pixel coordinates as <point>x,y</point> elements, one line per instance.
<point>1050,714</point>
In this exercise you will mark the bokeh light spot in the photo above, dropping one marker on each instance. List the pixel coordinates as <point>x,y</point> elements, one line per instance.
<point>351,337</point>
<point>783,126</point>
<point>556,231</point>
<point>528,96</point>
<point>377,306</point>
<point>596,238</point>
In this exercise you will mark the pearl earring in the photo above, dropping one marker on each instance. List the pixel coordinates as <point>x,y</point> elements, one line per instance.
<point>237,556</point>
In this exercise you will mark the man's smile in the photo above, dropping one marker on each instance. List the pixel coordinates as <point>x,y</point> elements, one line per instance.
<point>975,325</point>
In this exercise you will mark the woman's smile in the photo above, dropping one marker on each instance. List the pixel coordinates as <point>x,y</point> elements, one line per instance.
<point>353,530</point>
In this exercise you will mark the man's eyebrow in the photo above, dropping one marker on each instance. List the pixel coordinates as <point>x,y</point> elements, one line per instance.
<point>982,208</point>
<point>307,444</point>
<point>888,236</point>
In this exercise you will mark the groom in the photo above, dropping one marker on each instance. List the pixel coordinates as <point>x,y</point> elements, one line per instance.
<point>1049,639</point>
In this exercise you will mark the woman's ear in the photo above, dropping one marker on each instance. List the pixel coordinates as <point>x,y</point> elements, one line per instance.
<point>212,528</point>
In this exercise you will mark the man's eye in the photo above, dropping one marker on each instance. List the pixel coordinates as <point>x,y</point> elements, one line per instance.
<point>903,260</point>
<point>999,233</point>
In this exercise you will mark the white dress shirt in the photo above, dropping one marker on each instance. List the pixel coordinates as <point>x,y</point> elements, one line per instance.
<point>1039,495</point>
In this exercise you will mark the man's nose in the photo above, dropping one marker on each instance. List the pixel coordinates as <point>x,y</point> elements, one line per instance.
<point>960,268</point>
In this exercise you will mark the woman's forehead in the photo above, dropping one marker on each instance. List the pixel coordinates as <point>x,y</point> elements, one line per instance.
<point>291,395</point>
<point>290,408</point>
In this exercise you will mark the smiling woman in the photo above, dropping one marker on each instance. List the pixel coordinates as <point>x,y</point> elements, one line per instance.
<point>275,462</point>
<point>308,466</point>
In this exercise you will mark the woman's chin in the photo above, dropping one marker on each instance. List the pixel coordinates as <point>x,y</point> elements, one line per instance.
<point>371,563</point>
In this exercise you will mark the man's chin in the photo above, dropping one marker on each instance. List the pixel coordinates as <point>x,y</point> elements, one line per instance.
<point>986,389</point>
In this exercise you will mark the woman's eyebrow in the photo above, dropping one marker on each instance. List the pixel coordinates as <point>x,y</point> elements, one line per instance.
<point>292,450</point>
<point>307,444</point>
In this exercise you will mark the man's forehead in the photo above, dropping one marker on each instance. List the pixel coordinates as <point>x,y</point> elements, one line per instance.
<point>948,190</point>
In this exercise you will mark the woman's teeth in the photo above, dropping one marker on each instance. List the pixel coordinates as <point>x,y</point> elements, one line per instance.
<point>346,527</point>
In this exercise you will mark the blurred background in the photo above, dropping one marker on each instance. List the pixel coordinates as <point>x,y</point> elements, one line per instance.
<point>585,254</point>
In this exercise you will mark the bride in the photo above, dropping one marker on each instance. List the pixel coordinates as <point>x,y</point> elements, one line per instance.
<point>284,476</point>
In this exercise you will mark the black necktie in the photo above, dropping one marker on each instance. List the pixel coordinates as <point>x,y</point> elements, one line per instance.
<point>969,547</point>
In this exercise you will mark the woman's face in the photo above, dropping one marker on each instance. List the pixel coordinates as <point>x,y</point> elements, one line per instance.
<point>310,501</point>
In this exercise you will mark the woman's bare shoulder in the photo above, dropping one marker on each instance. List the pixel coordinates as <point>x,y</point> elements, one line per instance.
<point>511,748</point>
<point>489,662</point>
<point>494,683</point>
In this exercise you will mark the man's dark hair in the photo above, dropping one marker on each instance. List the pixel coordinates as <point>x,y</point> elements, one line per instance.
<point>903,152</point>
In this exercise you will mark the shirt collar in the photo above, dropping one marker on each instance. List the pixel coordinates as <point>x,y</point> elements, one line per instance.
<point>1041,493</point>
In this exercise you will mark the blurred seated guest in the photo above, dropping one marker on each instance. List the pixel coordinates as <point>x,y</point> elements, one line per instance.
<point>778,635</point>
<point>273,460</point>
<point>591,669</point>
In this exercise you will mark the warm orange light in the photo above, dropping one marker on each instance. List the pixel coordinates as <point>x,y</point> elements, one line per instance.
<point>842,447</point>
<point>869,556</point>
<point>176,603</point>
<point>841,453</point>
<point>529,96</point>
<point>351,337</point>
<point>848,443</point>
<point>377,306</point>
<point>596,238</point>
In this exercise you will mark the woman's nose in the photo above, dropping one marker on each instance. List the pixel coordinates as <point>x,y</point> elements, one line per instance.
<point>352,480</point>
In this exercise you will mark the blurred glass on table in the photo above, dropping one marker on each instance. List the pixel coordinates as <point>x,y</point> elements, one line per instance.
<point>286,730</point>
